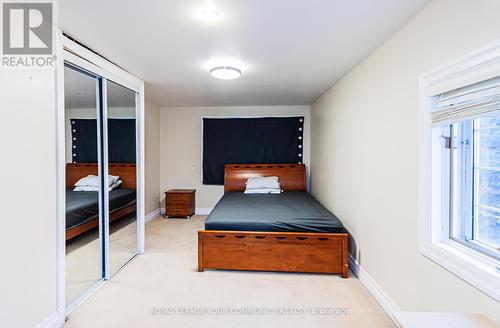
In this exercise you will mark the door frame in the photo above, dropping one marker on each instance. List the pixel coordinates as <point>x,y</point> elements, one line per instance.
<point>74,53</point>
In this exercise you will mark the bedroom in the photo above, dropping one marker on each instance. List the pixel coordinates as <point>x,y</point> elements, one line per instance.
<point>372,82</point>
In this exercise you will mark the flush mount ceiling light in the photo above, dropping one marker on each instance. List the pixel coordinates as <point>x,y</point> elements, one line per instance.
<point>225,72</point>
<point>210,15</point>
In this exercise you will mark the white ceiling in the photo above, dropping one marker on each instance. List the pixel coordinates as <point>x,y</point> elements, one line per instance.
<point>291,50</point>
<point>80,92</point>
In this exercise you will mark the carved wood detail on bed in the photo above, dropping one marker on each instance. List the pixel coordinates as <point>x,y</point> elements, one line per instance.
<point>126,172</point>
<point>273,251</point>
<point>291,176</point>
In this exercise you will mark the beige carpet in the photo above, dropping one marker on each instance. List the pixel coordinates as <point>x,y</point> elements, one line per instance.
<point>165,279</point>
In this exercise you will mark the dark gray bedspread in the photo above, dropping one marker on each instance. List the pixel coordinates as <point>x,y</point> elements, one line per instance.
<point>291,211</point>
<point>82,206</point>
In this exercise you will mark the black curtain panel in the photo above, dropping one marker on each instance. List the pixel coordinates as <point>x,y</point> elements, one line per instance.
<point>121,136</point>
<point>267,140</point>
<point>84,140</point>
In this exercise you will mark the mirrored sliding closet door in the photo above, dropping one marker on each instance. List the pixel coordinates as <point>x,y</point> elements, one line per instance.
<point>84,216</point>
<point>101,180</point>
<point>121,135</point>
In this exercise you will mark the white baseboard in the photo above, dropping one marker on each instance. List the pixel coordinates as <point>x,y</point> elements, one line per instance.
<point>387,304</point>
<point>52,321</point>
<point>152,215</point>
<point>203,210</point>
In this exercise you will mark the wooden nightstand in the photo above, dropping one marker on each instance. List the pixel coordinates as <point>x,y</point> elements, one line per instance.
<point>180,202</point>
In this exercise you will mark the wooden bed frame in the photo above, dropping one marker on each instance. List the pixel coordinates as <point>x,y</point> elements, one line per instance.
<point>126,172</point>
<point>271,251</point>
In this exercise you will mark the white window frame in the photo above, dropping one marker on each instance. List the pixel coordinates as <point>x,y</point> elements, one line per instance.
<point>481,271</point>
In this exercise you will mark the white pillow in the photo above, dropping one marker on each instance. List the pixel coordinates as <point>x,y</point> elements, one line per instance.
<point>263,191</point>
<point>113,178</point>
<point>95,188</point>
<point>263,182</point>
<point>93,181</point>
<point>89,180</point>
<point>86,188</point>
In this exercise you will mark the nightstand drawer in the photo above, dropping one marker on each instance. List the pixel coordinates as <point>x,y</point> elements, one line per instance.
<point>182,210</point>
<point>179,199</point>
<point>180,202</point>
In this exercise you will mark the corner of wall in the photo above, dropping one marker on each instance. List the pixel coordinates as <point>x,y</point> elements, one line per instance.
<point>152,154</point>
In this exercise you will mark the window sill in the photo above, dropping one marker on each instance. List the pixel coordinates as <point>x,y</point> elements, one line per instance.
<point>477,269</point>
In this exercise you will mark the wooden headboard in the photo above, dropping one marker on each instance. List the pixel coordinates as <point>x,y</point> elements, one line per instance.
<point>291,176</point>
<point>126,172</point>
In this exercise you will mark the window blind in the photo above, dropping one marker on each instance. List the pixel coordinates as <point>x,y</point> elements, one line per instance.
<point>480,99</point>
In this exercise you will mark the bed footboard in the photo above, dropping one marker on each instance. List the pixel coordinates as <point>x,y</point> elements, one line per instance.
<point>273,251</point>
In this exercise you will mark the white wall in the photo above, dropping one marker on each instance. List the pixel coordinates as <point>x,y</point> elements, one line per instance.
<point>181,145</point>
<point>28,193</point>
<point>152,145</point>
<point>364,153</point>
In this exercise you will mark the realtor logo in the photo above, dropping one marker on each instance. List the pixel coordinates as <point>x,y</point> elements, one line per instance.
<point>27,28</point>
<point>27,32</point>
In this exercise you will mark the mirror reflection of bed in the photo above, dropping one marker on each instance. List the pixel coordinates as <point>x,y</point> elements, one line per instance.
<point>82,223</point>
<point>82,206</point>
<point>85,263</point>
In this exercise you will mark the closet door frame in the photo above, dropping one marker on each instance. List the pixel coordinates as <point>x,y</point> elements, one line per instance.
<point>68,51</point>
<point>100,160</point>
<point>139,235</point>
